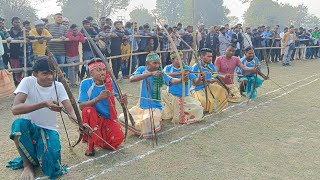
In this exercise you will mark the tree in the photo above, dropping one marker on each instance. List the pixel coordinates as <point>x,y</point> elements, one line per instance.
<point>270,13</point>
<point>210,12</point>
<point>76,15</point>
<point>170,10</point>
<point>19,8</point>
<point>233,20</point>
<point>141,15</point>
<point>79,9</point>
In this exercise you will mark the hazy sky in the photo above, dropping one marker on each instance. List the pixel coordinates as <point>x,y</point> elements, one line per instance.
<point>236,8</point>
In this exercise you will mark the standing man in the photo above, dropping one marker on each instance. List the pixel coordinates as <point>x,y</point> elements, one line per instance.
<point>4,35</point>
<point>285,30</point>
<point>72,51</point>
<point>116,47</point>
<point>289,39</point>
<point>102,23</point>
<point>43,36</point>
<point>223,40</point>
<point>237,41</point>
<point>188,38</point>
<point>247,40</point>
<point>15,33</point>
<point>212,42</point>
<point>57,30</point>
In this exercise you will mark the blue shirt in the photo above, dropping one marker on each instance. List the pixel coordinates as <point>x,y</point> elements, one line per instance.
<point>176,89</point>
<point>250,64</point>
<point>103,106</point>
<point>208,75</point>
<point>266,34</point>
<point>146,103</point>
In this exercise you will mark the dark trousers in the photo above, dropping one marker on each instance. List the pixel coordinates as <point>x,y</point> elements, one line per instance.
<point>116,64</point>
<point>142,59</point>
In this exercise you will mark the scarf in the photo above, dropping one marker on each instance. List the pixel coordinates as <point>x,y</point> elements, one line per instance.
<point>111,100</point>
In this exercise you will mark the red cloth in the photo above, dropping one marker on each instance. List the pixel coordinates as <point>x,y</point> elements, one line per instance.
<point>109,130</point>
<point>111,100</point>
<point>15,63</point>
<point>72,46</point>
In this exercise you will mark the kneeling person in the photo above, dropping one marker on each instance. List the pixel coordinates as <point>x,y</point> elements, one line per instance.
<point>147,114</point>
<point>97,102</point>
<point>191,110</point>
<point>213,97</point>
<point>36,134</point>
<point>249,82</point>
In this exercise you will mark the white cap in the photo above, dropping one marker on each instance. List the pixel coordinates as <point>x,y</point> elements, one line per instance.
<point>39,22</point>
<point>64,19</point>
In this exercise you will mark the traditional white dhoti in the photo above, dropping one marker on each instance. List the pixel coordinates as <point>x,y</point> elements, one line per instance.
<point>188,112</point>
<point>145,124</point>
<point>234,90</point>
<point>7,86</point>
<point>216,99</point>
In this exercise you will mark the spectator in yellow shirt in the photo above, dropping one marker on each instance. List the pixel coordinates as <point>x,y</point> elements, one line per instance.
<point>42,35</point>
<point>125,49</point>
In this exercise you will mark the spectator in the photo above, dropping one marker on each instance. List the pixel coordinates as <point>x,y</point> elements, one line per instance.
<point>102,23</point>
<point>106,34</point>
<point>42,35</point>
<point>289,39</point>
<point>247,40</point>
<point>4,35</point>
<point>15,33</point>
<point>125,50</point>
<point>237,41</point>
<point>309,43</point>
<point>143,44</point>
<point>266,42</point>
<point>57,30</point>
<point>45,20</point>
<point>65,22</point>
<point>212,42</point>
<point>72,51</point>
<point>315,36</point>
<point>87,51</point>
<point>27,25</point>
<point>224,41</point>
<point>29,55</point>
<point>187,38</point>
<point>116,47</point>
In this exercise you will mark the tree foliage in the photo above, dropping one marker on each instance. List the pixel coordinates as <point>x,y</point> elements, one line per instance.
<point>268,12</point>
<point>77,10</point>
<point>141,15</point>
<point>170,10</point>
<point>19,8</point>
<point>210,12</point>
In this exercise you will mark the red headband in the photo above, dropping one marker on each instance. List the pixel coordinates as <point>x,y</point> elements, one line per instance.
<point>95,65</point>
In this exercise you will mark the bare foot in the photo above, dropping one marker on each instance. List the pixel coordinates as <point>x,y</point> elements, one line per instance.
<point>27,173</point>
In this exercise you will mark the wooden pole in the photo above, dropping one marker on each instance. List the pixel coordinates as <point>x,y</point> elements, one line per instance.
<point>132,44</point>
<point>25,52</point>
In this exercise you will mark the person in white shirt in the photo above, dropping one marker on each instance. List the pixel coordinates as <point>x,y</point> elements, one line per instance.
<point>38,99</point>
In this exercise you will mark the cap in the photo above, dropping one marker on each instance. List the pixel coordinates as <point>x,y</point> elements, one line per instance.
<point>42,65</point>
<point>39,22</point>
<point>64,19</point>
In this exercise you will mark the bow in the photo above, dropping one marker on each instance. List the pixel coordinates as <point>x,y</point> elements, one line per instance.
<point>175,49</point>
<point>77,121</point>
<point>123,105</point>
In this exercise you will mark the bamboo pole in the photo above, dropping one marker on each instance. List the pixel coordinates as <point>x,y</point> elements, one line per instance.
<point>132,44</point>
<point>25,52</point>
